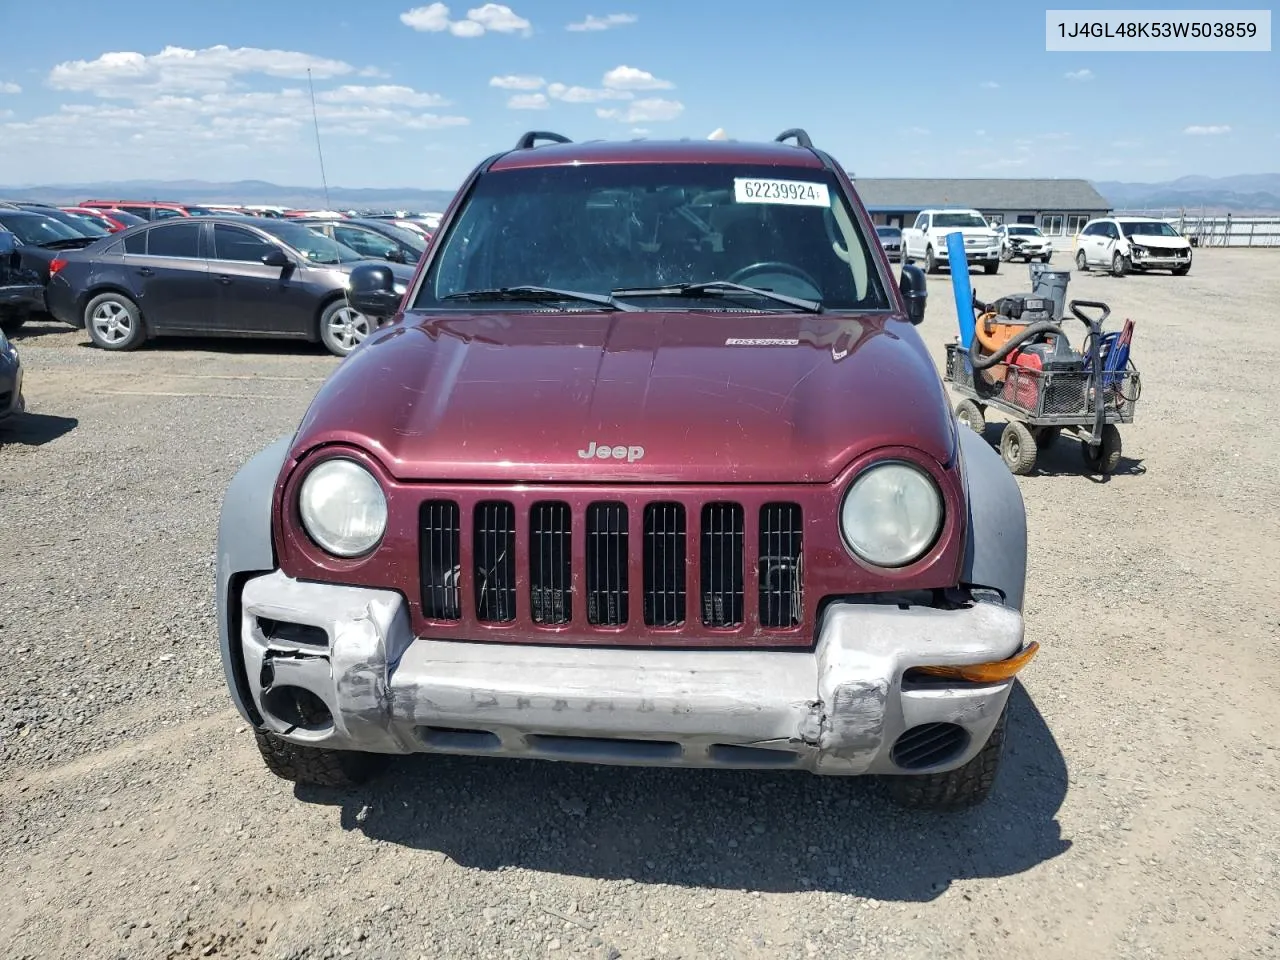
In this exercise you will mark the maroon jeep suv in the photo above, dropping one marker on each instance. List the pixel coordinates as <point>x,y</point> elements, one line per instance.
<point>648,465</point>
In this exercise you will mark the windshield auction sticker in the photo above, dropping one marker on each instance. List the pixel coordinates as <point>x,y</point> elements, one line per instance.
<point>797,193</point>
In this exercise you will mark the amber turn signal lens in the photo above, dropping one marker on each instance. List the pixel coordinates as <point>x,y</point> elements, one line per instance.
<point>986,672</point>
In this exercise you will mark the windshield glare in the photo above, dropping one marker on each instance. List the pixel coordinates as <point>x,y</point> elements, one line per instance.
<point>316,247</point>
<point>600,227</point>
<point>958,220</point>
<point>1143,229</point>
<point>35,228</point>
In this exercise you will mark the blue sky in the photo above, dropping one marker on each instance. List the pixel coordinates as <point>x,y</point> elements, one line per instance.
<point>415,94</point>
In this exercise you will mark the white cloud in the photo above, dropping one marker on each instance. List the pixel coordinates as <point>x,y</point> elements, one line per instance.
<point>6,87</point>
<point>1079,75</point>
<point>630,78</point>
<point>639,131</point>
<point>559,91</point>
<point>489,18</point>
<point>594,23</point>
<point>643,111</point>
<point>177,70</point>
<point>1209,131</point>
<point>383,94</point>
<point>373,72</point>
<point>990,85</point>
<point>528,101</point>
<point>517,82</point>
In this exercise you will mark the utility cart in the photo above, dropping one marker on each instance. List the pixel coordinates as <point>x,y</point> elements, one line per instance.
<point>1043,386</point>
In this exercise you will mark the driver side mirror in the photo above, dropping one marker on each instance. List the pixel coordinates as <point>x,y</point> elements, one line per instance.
<point>396,256</point>
<point>915,291</point>
<point>371,291</point>
<point>277,258</point>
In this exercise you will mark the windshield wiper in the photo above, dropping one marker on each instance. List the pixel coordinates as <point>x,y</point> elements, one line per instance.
<point>539,294</point>
<point>719,288</point>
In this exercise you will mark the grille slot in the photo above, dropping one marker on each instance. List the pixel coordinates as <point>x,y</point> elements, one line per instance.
<point>722,586</point>
<point>928,745</point>
<point>781,593</point>
<point>664,564</point>
<point>608,556</point>
<point>495,561</point>
<point>440,551</point>
<point>550,564</point>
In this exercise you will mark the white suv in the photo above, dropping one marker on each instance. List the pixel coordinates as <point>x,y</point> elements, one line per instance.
<point>1023,241</point>
<point>927,239</point>
<point>1124,244</point>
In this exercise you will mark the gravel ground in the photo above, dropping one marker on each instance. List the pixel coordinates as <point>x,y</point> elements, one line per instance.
<point>1135,815</point>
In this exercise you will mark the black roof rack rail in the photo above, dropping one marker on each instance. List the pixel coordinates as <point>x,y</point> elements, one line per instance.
<point>795,133</point>
<point>533,136</point>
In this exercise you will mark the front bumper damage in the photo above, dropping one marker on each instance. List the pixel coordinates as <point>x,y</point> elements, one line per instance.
<point>839,708</point>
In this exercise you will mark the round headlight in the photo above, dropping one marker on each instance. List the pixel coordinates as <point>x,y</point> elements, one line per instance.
<point>891,514</point>
<point>342,507</point>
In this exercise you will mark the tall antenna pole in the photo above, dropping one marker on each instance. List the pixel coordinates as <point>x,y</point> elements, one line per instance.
<point>316,120</point>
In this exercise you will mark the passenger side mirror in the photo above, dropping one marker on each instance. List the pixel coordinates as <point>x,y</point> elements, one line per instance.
<point>277,258</point>
<point>8,244</point>
<point>371,290</point>
<point>915,291</point>
<point>396,256</point>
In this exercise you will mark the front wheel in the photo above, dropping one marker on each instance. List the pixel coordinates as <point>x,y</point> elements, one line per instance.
<point>1082,263</point>
<point>114,322</point>
<point>1045,258</point>
<point>958,789</point>
<point>1121,265</point>
<point>342,329</point>
<point>969,414</point>
<point>930,263</point>
<point>315,766</point>
<point>1018,448</point>
<point>1181,271</point>
<point>1105,457</point>
<point>993,267</point>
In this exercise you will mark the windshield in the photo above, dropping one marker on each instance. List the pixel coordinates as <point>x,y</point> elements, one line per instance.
<point>600,227</point>
<point>85,226</point>
<point>958,220</point>
<point>316,247</point>
<point>889,233</point>
<point>406,238</point>
<point>1143,228</point>
<point>1025,232</point>
<point>35,228</point>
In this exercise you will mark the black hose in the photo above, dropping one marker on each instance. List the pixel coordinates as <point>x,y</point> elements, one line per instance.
<point>1013,343</point>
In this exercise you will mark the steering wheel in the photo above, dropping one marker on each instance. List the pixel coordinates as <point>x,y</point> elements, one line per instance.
<point>773,266</point>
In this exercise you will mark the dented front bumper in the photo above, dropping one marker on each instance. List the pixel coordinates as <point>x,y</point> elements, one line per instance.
<point>839,708</point>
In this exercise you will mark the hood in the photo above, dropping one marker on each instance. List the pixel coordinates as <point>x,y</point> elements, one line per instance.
<point>668,397</point>
<point>1160,243</point>
<point>967,231</point>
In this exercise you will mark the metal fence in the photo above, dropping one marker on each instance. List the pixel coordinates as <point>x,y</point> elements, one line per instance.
<point>1217,230</point>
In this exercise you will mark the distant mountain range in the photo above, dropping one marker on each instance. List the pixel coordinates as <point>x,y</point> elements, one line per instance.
<point>239,191</point>
<point>1245,193</point>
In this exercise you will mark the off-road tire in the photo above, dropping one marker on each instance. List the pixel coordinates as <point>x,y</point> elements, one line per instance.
<point>1106,457</point>
<point>970,415</point>
<point>930,264</point>
<point>315,766</point>
<point>1082,265</point>
<point>129,322</point>
<point>1121,265</point>
<point>1018,448</point>
<point>957,789</point>
<point>11,325</point>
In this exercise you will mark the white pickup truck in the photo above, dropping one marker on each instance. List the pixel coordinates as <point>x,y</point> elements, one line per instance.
<point>926,239</point>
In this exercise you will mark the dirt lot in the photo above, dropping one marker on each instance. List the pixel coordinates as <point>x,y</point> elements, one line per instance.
<point>1136,815</point>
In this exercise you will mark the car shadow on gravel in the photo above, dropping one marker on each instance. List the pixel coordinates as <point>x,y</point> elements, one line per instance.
<point>34,329</point>
<point>35,429</point>
<point>233,346</point>
<point>772,832</point>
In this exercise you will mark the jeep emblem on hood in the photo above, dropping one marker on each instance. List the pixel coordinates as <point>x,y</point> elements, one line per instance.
<point>603,451</point>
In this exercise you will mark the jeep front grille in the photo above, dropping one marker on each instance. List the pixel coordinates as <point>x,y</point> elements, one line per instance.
<point>526,561</point>
<point>495,561</point>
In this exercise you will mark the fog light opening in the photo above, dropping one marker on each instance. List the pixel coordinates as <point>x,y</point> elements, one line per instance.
<point>297,707</point>
<point>929,745</point>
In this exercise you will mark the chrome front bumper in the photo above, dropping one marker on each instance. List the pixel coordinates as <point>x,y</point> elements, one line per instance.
<point>837,709</point>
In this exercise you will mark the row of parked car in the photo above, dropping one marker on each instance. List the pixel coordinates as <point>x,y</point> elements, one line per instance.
<point>125,271</point>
